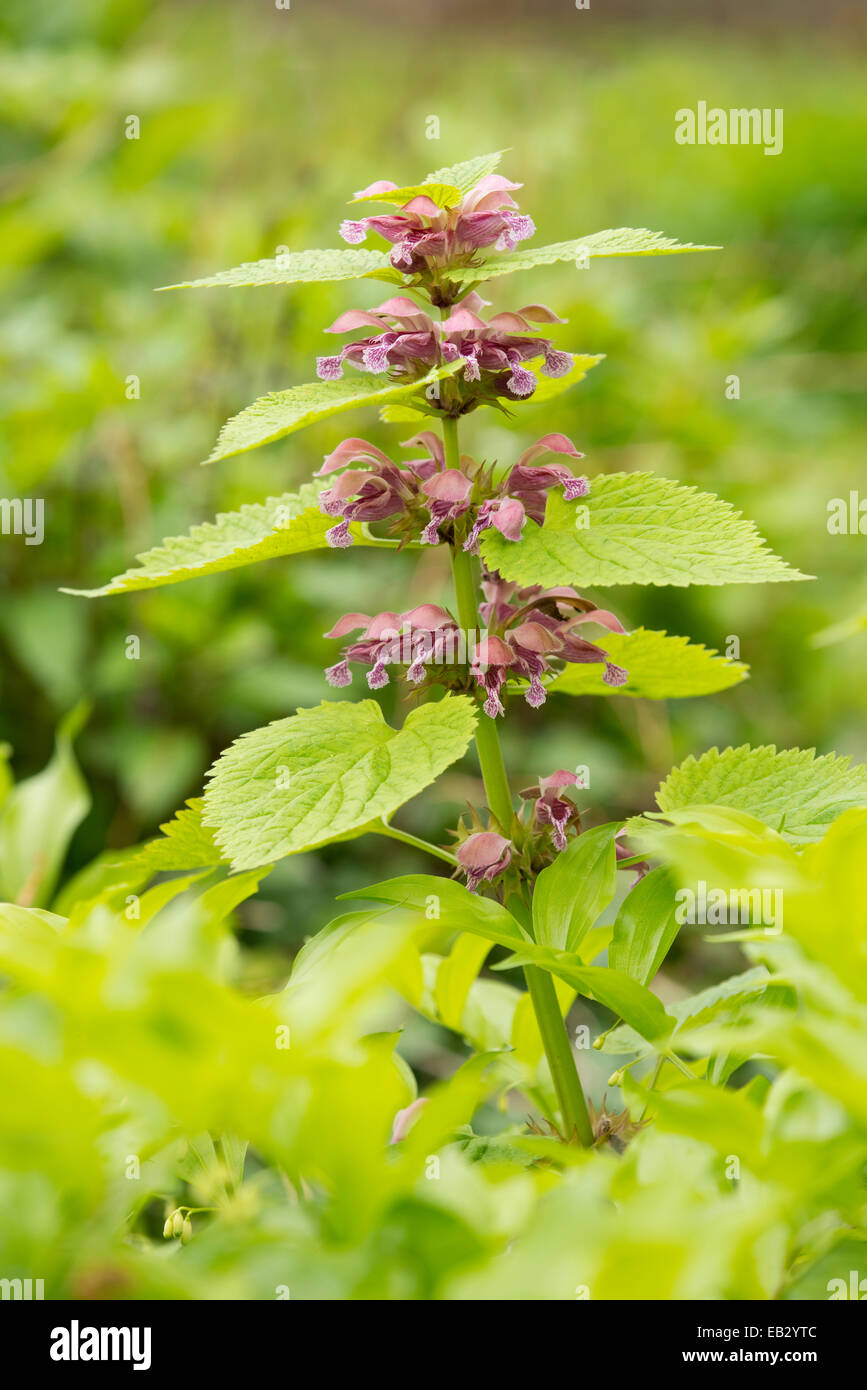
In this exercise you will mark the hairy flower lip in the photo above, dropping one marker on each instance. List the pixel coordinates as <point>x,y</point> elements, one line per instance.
<point>483,856</point>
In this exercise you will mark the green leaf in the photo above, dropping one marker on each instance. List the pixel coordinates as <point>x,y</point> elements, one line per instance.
<point>661,667</point>
<point>325,773</point>
<point>637,528</point>
<point>298,267</point>
<point>448,903</point>
<point>619,241</point>
<point>547,389</point>
<point>793,791</point>
<point>445,195</point>
<point>183,843</point>
<point>644,927</point>
<point>618,992</point>
<point>721,1000</point>
<point>468,173</point>
<point>287,525</point>
<point>570,894</point>
<point>282,412</point>
<point>38,819</point>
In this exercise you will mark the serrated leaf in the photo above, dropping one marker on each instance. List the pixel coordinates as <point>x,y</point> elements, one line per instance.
<point>325,773</point>
<point>444,194</point>
<point>183,843</point>
<point>618,241</point>
<point>282,412</point>
<point>287,525</point>
<point>727,997</point>
<point>298,267</point>
<point>661,667</point>
<point>637,528</point>
<point>793,791</point>
<point>468,173</point>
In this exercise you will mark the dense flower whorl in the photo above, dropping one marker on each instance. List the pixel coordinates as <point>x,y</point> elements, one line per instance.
<point>484,856</point>
<point>421,638</point>
<point>424,498</point>
<point>409,342</point>
<point>425,236</point>
<point>528,630</point>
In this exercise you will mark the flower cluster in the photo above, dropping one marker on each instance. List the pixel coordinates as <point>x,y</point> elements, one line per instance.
<point>529,633</point>
<point>408,342</point>
<point>425,236</point>
<point>424,499</point>
<point>531,629</point>
<point>538,833</point>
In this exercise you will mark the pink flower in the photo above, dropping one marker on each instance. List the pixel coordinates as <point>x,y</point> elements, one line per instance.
<point>551,808</point>
<point>422,232</point>
<point>410,343</point>
<point>531,628</point>
<point>483,856</point>
<point>406,1118</point>
<point>425,636</point>
<point>381,489</point>
<point>524,491</point>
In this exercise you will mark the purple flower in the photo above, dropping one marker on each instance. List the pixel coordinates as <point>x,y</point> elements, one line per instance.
<point>530,629</point>
<point>483,856</point>
<point>552,809</point>
<point>421,232</point>
<point>409,342</point>
<point>524,491</point>
<point>422,637</point>
<point>379,490</point>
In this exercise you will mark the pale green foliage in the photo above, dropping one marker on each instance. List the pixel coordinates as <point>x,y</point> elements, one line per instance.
<point>282,412</point>
<point>637,528</point>
<point>619,241</point>
<point>660,666</point>
<point>38,818</point>
<point>445,195</point>
<point>299,267</point>
<point>184,842</point>
<point>468,173</point>
<point>327,772</point>
<point>793,791</point>
<point>285,525</point>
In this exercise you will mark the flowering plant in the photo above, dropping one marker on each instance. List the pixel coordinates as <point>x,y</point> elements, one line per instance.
<point>528,873</point>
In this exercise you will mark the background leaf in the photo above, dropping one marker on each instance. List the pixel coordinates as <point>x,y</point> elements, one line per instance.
<point>793,791</point>
<point>282,412</point>
<point>660,666</point>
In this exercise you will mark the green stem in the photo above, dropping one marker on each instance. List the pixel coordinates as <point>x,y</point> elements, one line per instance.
<point>555,1039</point>
<point>394,834</point>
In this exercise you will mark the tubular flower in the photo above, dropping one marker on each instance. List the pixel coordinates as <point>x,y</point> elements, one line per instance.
<point>552,809</point>
<point>422,232</point>
<point>422,637</point>
<point>531,628</point>
<point>424,496</point>
<point>410,343</point>
<point>524,491</point>
<point>379,490</point>
<point>483,856</point>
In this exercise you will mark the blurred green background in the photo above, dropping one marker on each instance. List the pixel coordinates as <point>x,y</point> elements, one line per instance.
<point>256,125</point>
